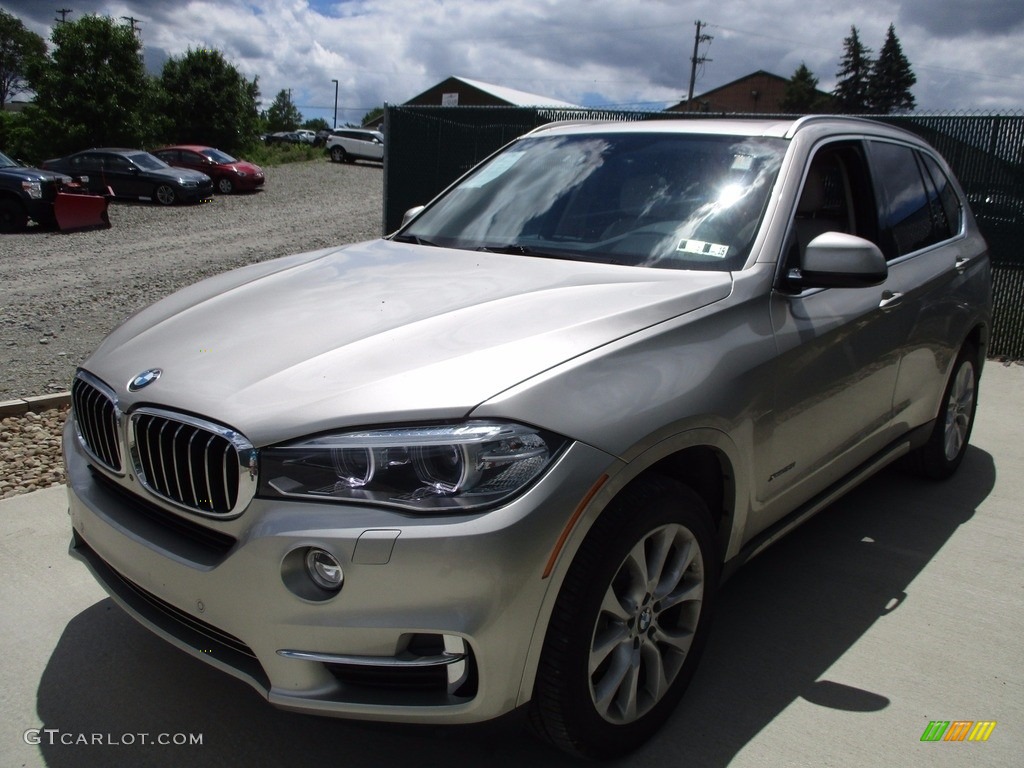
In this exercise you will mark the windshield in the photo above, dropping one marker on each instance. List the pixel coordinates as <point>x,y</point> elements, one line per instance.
<point>665,200</point>
<point>6,162</point>
<point>219,157</point>
<point>148,162</point>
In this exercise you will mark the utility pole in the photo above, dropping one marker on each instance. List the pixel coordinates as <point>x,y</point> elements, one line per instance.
<point>133,21</point>
<point>63,15</point>
<point>698,38</point>
<point>335,102</point>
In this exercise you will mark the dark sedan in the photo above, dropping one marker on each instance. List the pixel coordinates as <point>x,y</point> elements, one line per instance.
<point>134,174</point>
<point>229,174</point>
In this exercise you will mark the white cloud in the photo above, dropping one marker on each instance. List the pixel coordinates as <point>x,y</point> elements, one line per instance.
<point>581,51</point>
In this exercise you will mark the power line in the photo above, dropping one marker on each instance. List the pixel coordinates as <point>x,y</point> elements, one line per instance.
<point>63,15</point>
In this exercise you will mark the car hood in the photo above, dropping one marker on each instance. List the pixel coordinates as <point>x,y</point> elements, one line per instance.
<point>182,174</point>
<point>380,332</point>
<point>30,174</point>
<point>244,166</point>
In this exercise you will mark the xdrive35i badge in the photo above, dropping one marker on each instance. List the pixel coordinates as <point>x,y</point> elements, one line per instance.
<point>144,379</point>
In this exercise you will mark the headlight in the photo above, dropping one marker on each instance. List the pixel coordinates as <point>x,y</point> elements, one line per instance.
<point>33,189</point>
<point>445,468</point>
<point>189,183</point>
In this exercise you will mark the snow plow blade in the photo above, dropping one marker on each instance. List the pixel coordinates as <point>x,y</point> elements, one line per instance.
<point>80,211</point>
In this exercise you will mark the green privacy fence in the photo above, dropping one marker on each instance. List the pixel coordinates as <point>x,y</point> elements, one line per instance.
<point>429,147</point>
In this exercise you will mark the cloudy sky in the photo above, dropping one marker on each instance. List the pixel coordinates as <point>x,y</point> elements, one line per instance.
<point>967,54</point>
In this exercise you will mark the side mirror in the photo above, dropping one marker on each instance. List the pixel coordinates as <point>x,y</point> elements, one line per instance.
<point>411,214</point>
<point>839,260</point>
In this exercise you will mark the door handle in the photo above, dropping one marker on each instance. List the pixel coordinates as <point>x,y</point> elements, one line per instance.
<point>890,300</point>
<point>961,264</point>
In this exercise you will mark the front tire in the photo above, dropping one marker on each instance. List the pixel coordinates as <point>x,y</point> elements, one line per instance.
<point>338,155</point>
<point>13,217</point>
<point>225,186</point>
<point>629,624</point>
<point>940,457</point>
<point>165,194</point>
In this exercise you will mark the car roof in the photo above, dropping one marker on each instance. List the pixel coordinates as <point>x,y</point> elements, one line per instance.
<point>190,147</point>
<point>783,128</point>
<point>111,150</point>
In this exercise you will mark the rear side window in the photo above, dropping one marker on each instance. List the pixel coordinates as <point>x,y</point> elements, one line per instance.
<point>942,196</point>
<point>916,208</point>
<point>89,160</point>
<point>116,163</point>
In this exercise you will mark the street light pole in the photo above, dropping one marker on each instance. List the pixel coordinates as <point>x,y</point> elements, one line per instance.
<point>335,102</point>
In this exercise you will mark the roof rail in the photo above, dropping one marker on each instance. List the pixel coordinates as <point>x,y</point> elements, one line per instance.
<point>804,120</point>
<point>561,123</point>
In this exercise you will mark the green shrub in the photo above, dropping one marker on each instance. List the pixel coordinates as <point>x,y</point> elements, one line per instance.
<point>279,154</point>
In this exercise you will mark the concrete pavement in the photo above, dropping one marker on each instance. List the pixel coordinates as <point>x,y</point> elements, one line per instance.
<point>897,606</point>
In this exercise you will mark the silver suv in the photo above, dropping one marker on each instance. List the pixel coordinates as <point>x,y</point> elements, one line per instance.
<point>346,145</point>
<point>506,455</point>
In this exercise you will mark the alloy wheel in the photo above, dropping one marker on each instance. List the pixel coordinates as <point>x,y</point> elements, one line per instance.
<point>646,624</point>
<point>959,410</point>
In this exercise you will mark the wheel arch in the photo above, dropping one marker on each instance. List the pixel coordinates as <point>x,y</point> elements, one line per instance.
<point>703,460</point>
<point>8,196</point>
<point>978,337</point>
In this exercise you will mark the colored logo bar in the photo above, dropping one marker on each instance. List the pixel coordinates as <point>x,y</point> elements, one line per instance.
<point>958,730</point>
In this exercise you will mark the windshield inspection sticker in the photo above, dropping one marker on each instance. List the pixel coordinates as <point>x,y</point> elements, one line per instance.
<point>742,162</point>
<point>716,250</point>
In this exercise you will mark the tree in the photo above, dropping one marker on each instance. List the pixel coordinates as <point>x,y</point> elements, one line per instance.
<point>802,95</point>
<point>373,114</point>
<point>316,124</point>
<point>92,90</point>
<point>283,115</point>
<point>207,101</point>
<point>851,91</point>
<point>891,79</point>
<point>19,49</point>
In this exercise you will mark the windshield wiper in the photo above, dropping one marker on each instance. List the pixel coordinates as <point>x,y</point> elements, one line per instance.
<point>526,250</point>
<point>416,239</point>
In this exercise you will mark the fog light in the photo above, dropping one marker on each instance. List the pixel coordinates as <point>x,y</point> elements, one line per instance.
<point>324,569</point>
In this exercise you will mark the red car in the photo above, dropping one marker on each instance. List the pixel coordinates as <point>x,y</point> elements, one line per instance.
<point>228,174</point>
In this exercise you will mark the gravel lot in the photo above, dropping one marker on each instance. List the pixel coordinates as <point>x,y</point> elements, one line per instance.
<point>60,293</point>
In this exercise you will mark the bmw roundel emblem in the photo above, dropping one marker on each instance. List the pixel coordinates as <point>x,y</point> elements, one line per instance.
<point>144,379</point>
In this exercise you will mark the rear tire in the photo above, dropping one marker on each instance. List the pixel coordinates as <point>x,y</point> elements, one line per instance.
<point>338,155</point>
<point>940,457</point>
<point>629,624</point>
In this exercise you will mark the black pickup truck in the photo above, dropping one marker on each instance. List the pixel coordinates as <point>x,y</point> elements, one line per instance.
<point>49,198</point>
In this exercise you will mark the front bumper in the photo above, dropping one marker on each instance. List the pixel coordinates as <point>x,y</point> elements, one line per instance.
<point>434,623</point>
<point>200,193</point>
<point>249,182</point>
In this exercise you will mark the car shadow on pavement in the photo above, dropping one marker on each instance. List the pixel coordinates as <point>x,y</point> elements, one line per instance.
<point>781,623</point>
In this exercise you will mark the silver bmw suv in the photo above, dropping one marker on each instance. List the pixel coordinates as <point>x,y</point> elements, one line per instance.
<point>505,456</point>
